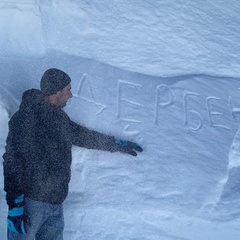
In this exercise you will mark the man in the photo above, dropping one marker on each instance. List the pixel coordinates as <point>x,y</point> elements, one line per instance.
<point>38,157</point>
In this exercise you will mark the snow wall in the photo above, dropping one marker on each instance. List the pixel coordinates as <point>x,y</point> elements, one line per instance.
<point>187,125</point>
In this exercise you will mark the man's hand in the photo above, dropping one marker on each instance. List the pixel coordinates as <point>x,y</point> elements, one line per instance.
<point>128,147</point>
<point>16,218</point>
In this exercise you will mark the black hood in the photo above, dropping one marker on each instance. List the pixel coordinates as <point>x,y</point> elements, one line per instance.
<point>31,98</point>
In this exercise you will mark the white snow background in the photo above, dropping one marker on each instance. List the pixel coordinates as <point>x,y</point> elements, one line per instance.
<point>164,74</point>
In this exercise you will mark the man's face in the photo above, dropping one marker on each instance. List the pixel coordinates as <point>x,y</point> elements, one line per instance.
<point>63,96</point>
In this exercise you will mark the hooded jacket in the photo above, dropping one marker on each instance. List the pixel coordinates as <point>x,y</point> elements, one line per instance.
<point>38,157</point>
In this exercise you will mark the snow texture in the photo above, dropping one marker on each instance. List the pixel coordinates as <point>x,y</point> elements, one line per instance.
<point>165,75</point>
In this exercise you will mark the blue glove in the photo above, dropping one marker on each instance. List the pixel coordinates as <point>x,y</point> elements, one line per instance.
<point>128,147</point>
<point>16,218</point>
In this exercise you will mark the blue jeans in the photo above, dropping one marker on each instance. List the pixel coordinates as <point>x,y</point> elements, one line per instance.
<point>46,222</point>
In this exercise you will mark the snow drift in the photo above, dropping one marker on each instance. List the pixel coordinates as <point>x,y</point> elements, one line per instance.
<point>163,75</point>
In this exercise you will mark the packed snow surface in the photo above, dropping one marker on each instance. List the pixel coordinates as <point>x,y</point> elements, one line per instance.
<point>162,74</point>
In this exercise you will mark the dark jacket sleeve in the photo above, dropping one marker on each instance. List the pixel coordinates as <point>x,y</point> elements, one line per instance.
<point>13,164</point>
<point>84,137</point>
